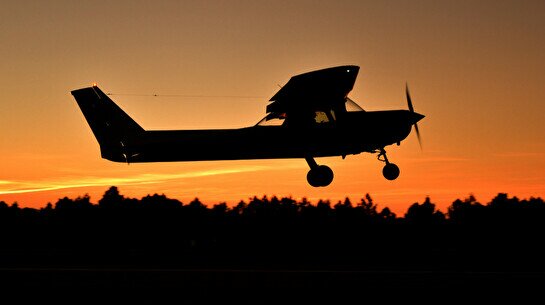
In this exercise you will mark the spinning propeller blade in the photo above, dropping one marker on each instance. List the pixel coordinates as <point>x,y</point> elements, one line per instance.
<point>411,109</point>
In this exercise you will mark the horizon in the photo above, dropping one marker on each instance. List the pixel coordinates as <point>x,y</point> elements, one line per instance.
<point>314,201</point>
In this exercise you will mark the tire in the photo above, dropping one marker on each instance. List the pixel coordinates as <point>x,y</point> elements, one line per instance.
<point>390,171</point>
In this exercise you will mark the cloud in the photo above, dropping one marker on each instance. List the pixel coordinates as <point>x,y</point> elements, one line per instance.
<point>20,187</point>
<point>521,154</point>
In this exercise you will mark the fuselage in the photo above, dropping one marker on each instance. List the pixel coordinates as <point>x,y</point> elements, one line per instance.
<point>356,132</point>
<point>310,116</point>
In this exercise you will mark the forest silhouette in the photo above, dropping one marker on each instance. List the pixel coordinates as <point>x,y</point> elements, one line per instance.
<point>275,233</point>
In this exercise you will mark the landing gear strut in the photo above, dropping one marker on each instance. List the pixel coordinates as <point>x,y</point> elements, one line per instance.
<point>318,175</point>
<point>390,171</point>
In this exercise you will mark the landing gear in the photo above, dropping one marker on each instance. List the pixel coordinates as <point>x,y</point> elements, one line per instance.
<point>390,171</point>
<point>318,175</point>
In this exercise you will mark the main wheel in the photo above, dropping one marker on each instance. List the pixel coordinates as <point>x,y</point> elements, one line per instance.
<point>390,171</point>
<point>320,176</point>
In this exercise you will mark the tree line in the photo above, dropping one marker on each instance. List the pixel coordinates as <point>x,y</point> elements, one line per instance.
<point>274,232</point>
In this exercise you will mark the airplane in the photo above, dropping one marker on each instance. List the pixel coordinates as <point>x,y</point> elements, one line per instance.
<point>311,116</point>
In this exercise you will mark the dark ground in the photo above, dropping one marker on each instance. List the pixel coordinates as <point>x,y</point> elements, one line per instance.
<point>162,286</point>
<point>158,251</point>
<point>167,282</point>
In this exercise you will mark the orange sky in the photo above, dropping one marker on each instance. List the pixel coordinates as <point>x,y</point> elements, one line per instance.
<point>475,69</point>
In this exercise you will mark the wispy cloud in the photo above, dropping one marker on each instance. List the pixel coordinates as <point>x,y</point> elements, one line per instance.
<point>20,187</point>
<point>520,154</point>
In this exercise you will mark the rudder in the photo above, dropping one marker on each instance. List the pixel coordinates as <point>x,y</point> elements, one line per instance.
<point>112,127</point>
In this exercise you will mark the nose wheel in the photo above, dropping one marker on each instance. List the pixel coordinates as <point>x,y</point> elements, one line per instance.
<point>390,171</point>
<point>318,175</point>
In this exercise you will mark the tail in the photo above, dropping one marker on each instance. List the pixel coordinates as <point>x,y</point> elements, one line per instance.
<point>112,127</point>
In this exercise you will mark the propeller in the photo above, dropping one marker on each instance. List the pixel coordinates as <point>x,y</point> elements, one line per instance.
<point>411,109</point>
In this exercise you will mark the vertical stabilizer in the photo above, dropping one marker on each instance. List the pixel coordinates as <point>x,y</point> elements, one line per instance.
<point>112,127</point>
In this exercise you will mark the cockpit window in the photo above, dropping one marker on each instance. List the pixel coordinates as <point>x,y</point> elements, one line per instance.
<point>320,117</point>
<point>351,106</point>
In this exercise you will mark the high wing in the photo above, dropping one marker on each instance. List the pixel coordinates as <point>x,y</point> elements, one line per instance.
<point>324,90</point>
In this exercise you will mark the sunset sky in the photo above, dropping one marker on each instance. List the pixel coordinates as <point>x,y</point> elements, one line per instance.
<point>476,69</point>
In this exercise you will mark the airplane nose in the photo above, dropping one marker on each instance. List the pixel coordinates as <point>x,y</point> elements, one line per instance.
<point>415,117</point>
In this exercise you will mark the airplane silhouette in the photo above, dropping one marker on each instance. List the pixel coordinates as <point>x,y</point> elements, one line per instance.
<point>311,116</point>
